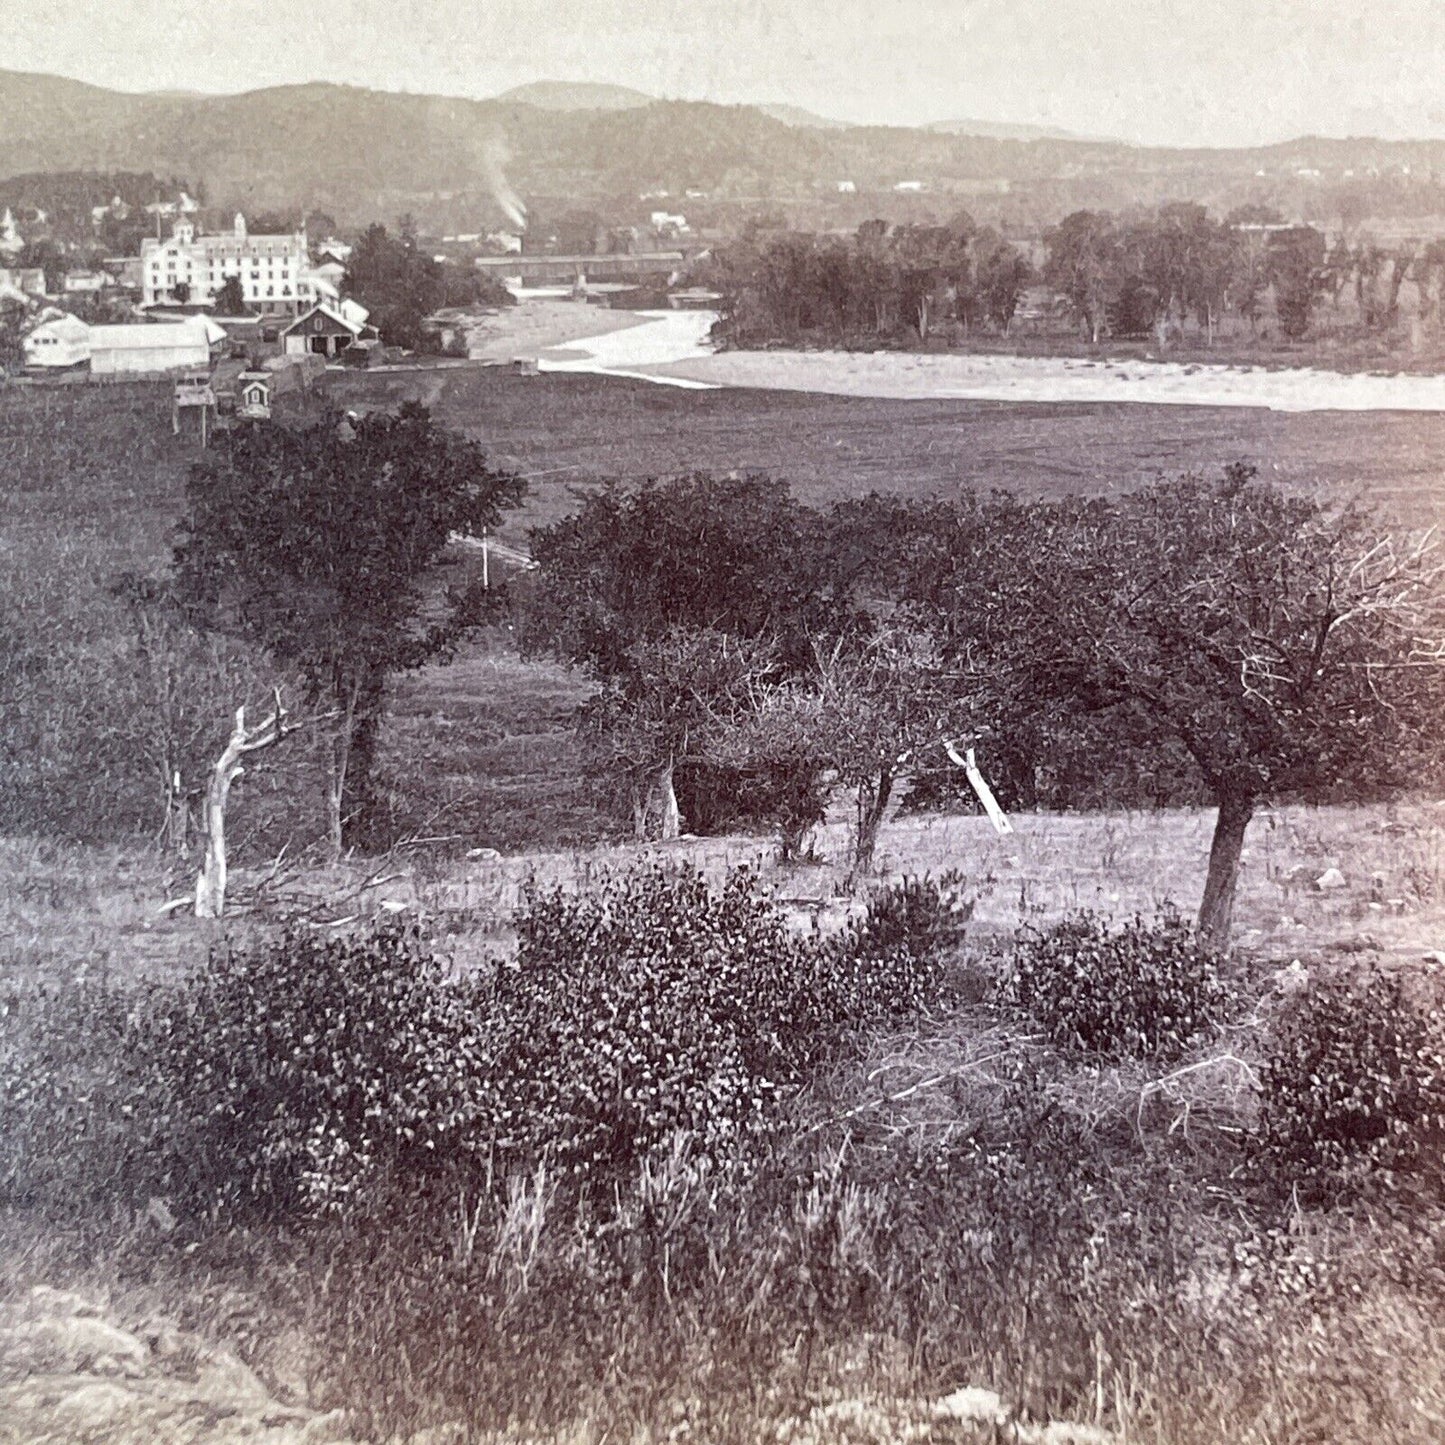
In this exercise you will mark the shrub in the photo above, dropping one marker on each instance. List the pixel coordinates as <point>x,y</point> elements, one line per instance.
<point>1145,990</point>
<point>923,914</point>
<point>66,1137</point>
<point>656,1005</point>
<point>274,1081</point>
<point>1353,1086</point>
<point>289,1077</point>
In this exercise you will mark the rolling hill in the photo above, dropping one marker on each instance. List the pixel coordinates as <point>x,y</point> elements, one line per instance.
<point>575,95</point>
<point>362,154</point>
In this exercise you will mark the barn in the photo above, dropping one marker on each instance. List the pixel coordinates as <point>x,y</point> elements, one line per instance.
<point>324,331</point>
<point>149,349</point>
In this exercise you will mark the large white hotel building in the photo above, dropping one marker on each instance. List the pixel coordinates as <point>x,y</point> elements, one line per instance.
<point>275,271</point>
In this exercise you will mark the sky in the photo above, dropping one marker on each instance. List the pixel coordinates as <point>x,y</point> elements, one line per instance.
<point>1205,72</point>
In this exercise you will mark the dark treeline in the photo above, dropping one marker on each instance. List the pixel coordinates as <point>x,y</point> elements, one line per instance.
<point>1162,274</point>
<point>401,284</point>
<point>871,285</point>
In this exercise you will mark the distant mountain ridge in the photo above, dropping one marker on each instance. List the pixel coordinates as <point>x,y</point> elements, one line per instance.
<point>1012,130</point>
<point>576,95</point>
<point>364,154</point>
<point>796,115</point>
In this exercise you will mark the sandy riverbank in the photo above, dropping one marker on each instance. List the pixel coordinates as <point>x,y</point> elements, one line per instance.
<point>538,323</point>
<point>671,347</point>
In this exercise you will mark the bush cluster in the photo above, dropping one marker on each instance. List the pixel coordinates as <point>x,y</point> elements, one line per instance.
<point>288,1076</point>
<point>1353,1088</point>
<point>1145,990</point>
<point>656,1005</point>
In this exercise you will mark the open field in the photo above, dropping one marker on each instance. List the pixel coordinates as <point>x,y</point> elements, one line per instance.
<point>98,480</point>
<point>100,906</point>
<point>568,429</point>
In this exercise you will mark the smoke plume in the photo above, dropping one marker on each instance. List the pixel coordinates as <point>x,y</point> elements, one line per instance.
<point>494,161</point>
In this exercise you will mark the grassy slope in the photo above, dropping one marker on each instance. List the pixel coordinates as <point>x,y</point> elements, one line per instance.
<point>1354,1362</point>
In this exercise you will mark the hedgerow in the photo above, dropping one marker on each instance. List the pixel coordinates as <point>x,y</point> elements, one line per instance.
<point>288,1077</point>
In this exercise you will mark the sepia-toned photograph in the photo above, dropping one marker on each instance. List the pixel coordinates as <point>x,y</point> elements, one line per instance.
<point>722,723</point>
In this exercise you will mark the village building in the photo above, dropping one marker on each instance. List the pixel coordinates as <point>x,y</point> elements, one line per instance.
<point>58,342</point>
<point>183,205</point>
<point>327,330</point>
<point>331,250</point>
<point>153,348</point>
<point>85,283</point>
<point>253,395</point>
<point>191,268</point>
<point>11,241</point>
<point>29,281</point>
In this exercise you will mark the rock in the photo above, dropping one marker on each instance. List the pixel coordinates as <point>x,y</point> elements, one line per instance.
<point>96,1404</point>
<point>72,1344</point>
<point>1064,1432</point>
<point>1068,1432</point>
<point>328,1429</point>
<point>972,1403</point>
<point>163,1336</point>
<point>1291,980</point>
<point>158,1212</point>
<point>489,854</point>
<point>224,1376</point>
<point>43,1301</point>
<point>452,1433</point>
<point>1331,880</point>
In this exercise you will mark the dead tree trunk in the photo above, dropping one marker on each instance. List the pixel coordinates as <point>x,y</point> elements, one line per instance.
<point>669,818</point>
<point>211,882</point>
<point>338,766</point>
<point>1216,912</point>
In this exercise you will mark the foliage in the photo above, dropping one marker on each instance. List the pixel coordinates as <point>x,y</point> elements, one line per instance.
<point>1353,1088</point>
<point>869,286</point>
<point>273,1082</point>
<point>1083,261</point>
<point>731,554</point>
<point>657,1005</point>
<point>921,914</point>
<point>1287,646</point>
<point>1294,264</point>
<point>860,716</point>
<point>400,284</point>
<point>297,1075</point>
<point>1145,990</point>
<point>318,544</point>
<point>13,319</point>
<point>231,299</point>
<point>682,598</point>
<point>672,701</point>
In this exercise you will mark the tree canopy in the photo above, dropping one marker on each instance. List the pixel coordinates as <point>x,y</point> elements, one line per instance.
<point>319,543</point>
<point>400,284</point>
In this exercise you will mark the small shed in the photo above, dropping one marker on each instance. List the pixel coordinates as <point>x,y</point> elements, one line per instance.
<point>253,394</point>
